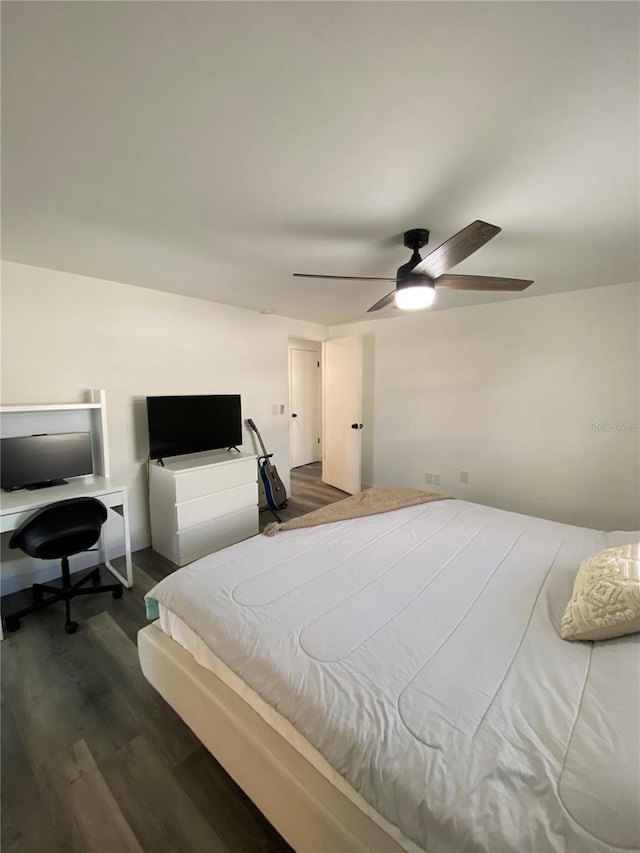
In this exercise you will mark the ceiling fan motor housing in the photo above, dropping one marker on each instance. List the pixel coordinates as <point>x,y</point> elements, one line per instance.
<point>416,238</point>
<point>406,279</point>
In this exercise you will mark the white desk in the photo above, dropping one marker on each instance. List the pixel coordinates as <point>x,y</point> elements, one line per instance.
<point>16,507</point>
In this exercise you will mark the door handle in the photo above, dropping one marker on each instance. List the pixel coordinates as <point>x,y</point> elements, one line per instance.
<point>293,415</point>
<point>357,426</point>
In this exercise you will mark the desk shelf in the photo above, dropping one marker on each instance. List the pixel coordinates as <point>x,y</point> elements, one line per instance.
<point>91,416</point>
<point>50,407</point>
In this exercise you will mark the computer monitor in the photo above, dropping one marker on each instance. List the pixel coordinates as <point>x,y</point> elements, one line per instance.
<point>37,461</point>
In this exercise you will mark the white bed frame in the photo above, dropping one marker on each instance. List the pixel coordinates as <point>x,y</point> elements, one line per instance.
<point>309,812</point>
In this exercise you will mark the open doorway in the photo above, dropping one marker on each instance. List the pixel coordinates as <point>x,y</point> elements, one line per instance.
<point>305,404</point>
<point>325,406</point>
<point>308,491</point>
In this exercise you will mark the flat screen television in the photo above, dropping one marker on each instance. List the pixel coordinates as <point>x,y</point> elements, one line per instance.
<point>36,461</point>
<point>190,424</point>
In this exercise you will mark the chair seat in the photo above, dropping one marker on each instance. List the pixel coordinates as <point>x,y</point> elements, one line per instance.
<point>66,546</point>
<point>56,532</point>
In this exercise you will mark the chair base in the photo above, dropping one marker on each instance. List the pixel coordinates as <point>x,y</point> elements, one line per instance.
<point>66,592</point>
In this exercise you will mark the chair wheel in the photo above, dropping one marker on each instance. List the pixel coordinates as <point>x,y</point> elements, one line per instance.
<point>117,593</point>
<point>12,623</point>
<point>70,627</point>
<point>95,580</point>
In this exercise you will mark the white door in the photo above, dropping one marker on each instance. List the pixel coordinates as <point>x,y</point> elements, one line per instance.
<point>304,370</point>
<point>342,433</point>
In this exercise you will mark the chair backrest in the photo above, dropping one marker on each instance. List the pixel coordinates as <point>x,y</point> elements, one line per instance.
<point>61,529</point>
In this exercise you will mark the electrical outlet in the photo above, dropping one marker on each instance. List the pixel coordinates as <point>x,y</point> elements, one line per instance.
<point>464,476</point>
<point>436,479</point>
<point>274,409</point>
<point>428,478</point>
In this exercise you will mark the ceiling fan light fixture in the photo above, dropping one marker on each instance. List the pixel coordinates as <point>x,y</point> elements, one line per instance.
<point>414,296</point>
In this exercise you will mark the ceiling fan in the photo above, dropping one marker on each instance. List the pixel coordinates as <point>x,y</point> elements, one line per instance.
<point>417,280</point>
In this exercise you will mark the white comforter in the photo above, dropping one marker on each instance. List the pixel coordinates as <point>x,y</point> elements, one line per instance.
<point>419,652</point>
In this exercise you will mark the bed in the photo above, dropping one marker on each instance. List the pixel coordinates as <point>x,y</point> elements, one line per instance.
<point>398,682</point>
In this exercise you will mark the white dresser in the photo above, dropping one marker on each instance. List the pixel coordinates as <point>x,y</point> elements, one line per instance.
<point>202,502</point>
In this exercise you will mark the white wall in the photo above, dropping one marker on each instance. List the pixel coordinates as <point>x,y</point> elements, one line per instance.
<point>509,392</point>
<point>506,391</point>
<point>64,333</point>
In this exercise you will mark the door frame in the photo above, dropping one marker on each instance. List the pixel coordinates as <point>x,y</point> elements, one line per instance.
<point>310,345</point>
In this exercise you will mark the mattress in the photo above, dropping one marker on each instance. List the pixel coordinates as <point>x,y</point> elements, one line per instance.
<point>418,652</point>
<point>174,627</point>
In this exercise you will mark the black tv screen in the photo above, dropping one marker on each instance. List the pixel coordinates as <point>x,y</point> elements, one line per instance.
<point>190,424</point>
<point>33,461</point>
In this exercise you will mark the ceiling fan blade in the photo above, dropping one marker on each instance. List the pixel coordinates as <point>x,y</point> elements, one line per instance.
<point>481,282</point>
<point>343,277</point>
<point>382,303</point>
<point>457,248</point>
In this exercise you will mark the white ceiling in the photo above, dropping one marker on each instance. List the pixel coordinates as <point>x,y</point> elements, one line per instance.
<point>212,149</point>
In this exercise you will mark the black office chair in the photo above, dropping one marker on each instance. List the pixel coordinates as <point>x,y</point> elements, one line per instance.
<point>56,532</point>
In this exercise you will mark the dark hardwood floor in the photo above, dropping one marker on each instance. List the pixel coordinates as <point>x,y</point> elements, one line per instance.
<point>308,492</point>
<point>92,758</point>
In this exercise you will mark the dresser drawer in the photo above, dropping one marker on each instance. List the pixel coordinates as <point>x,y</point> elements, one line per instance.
<point>214,535</point>
<point>215,478</point>
<point>218,504</point>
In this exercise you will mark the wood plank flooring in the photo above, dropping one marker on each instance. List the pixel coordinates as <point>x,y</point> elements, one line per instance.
<point>93,759</point>
<point>308,492</point>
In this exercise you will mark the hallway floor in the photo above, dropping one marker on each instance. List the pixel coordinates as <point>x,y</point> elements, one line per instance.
<point>308,492</point>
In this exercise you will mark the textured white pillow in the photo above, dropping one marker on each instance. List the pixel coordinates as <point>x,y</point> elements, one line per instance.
<point>606,596</point>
